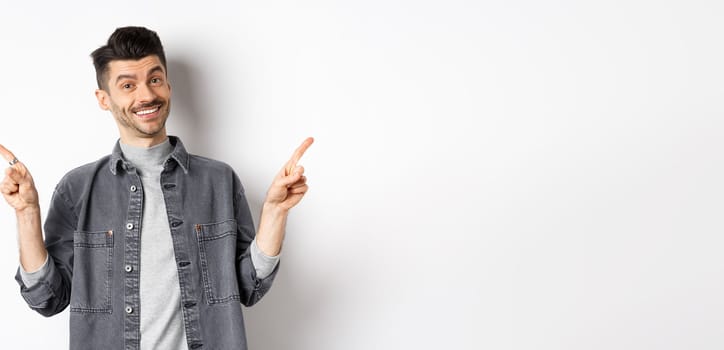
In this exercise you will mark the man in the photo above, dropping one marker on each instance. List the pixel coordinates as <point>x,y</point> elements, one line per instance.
<point>151,247</point>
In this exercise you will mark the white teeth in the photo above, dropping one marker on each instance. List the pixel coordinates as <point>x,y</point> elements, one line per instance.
<point>148,111</point>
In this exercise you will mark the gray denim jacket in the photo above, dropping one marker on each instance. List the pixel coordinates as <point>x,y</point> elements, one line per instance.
<point>92,236</point>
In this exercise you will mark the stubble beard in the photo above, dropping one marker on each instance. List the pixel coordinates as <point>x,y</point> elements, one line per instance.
<point>127,119</point>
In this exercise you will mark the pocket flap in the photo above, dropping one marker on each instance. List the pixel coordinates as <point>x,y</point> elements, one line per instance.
<point>217,230</point>
<point>95,239</point>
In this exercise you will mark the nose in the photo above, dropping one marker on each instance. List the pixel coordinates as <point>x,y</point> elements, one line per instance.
<point>145,93</point>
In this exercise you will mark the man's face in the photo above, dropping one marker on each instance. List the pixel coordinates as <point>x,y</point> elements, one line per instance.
<point>139,98</point>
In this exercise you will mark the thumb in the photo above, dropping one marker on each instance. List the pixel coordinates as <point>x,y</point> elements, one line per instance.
<point>296,174</point>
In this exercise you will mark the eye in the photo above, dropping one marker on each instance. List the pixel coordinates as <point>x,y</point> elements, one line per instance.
<point>156,81</point>
<point>127,86</point>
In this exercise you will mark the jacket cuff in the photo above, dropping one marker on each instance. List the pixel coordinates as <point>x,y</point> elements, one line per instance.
<point>38,294</point>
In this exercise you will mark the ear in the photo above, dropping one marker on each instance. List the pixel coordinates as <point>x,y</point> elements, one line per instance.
<point>103,99</point>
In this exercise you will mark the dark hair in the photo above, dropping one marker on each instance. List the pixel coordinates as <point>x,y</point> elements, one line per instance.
<point>126,43</point>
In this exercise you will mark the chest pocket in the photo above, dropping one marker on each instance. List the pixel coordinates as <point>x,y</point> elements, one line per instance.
<point>217,253</point>
<point>92,272</point>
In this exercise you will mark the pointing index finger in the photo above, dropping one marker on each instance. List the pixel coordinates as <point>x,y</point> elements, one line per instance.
<point>9,156</point>
<point>298,154</point>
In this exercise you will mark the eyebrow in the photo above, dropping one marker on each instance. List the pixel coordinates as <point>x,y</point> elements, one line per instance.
<point>133,76</point>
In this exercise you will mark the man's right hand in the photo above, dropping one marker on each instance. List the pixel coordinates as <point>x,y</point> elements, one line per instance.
<point>18,187</point>
<point>19,191</point>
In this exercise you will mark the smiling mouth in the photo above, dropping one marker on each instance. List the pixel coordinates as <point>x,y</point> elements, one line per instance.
<point>147,112</point>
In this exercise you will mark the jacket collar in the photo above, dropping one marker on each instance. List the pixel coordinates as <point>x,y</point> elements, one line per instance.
<point>178,154</point>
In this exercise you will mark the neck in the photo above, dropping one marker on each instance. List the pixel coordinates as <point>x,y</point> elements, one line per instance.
<point>144,141</point>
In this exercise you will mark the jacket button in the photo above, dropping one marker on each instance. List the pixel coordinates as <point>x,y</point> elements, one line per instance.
<point>129,310</point>
<point>133,188</point>
<point>129,226</point>
<point>129,268</point>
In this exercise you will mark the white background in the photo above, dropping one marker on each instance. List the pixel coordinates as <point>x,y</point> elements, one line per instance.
<point>487,174</point>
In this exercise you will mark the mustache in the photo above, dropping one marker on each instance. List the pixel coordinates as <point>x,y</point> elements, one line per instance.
<point>154,103</point>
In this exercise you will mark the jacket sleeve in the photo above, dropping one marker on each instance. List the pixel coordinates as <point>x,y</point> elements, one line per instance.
<point>251,288</point>
<point>51,294</point>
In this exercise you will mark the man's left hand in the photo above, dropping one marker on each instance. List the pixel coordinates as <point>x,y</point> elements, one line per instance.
<point>289,184</point>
